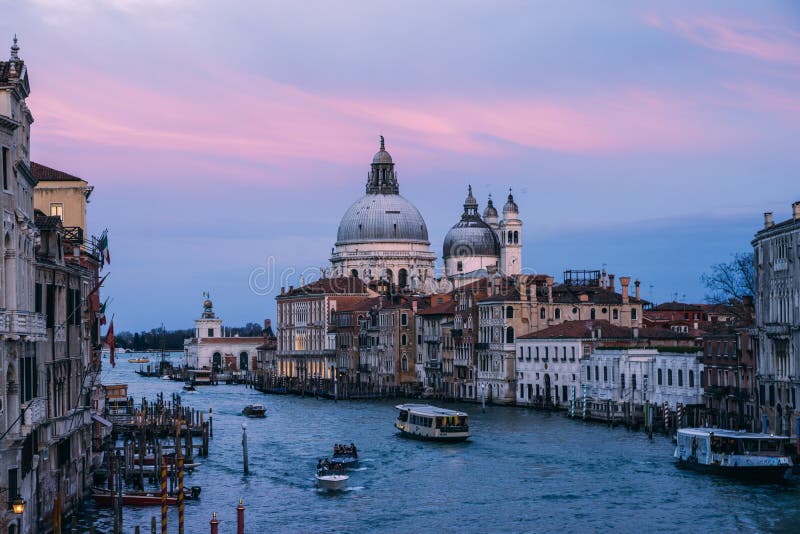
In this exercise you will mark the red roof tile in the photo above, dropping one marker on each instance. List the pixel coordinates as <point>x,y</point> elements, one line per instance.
<point>46,174</point>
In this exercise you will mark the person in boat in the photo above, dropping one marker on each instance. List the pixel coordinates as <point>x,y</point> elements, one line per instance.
<point>353,450</point>
<point>319,465</point>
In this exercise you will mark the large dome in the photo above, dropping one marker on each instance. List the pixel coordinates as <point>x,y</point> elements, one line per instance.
<point>469,238</point>
<point>382,217</point>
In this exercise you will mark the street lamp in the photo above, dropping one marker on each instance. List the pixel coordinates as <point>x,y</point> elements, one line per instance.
<point>18,505</point>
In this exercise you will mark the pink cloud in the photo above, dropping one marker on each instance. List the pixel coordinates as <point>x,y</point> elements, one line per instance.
<point>265,123</point>
<point>744,37</point>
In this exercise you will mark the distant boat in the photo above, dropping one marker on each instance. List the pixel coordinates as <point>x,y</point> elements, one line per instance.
<point>255,410</point>
<point>423,421</point>
<point>331,482</point>
<point>139,360</point>
<point>345,455</point>
<point>746,455</point>
<point>189,387</point>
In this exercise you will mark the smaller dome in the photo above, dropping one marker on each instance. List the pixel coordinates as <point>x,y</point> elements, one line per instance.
<point>207,304</point>
<point>490,212</point>
<point>381,156</point>
<point>511,206</point>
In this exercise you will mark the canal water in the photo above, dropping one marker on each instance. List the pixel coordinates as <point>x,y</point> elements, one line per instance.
<point>522,471</point>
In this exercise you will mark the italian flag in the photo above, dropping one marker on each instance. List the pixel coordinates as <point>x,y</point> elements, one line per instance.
<point>102,246</point>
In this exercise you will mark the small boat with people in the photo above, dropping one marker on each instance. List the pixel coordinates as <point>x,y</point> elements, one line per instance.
<point>255,410</point>
<point>346,455</point>
<point>139,360</point>
<point>745,455</point>
<point>331,476</point>
<point>423,421</point>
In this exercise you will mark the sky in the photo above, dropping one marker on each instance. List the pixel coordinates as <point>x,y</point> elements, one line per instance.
<point>225,140</point>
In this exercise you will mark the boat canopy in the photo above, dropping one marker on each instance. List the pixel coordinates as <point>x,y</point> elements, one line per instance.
<point>731,434</point>
<point>430,411</point>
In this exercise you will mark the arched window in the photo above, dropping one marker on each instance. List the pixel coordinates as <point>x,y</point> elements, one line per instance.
<point>510,237</point>
<point>542,313</point>
<point>669,377</point>
<point>403,340</point>
<point>680,377</point>
<point>593,314</point>
<point>516,237</point>
<point>597,373</point>
<point>389,276</point>
<point>558,313</point>
<point>243,357</point>
<point>588,373</point>
<point>217,362</point>
<point>691,378</point>
<point>402,278</point>
<point>510,334</point>
<point>509,312</point>
<point>615,313</point>
<point>404,363</point>
<point>354,273</point>
<point>633,313</point>
<point>660,377</point>
<point>633,382</point>
<point>622,380</point>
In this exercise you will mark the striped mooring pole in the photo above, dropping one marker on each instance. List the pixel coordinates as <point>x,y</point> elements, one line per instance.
<point>666,416</point>
<point>163,496</point>
<point>572,404</point>
<point>240,518</point>
<point>678,414</point>
<point>180,491</point>
<point>214,524</point>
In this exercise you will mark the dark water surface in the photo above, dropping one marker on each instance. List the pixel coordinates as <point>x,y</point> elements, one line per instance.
<point>523,471</point>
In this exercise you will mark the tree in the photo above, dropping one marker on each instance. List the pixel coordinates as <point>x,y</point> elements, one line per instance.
<point>731,281</point>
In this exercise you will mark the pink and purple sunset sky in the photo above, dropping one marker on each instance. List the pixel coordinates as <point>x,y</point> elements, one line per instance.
<point>649,137</point>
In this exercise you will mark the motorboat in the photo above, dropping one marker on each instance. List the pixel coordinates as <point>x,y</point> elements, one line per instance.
<point>255,410</point>
<point>331,482</point>
<point>746,455</point>
<point>189,387</point>
<point>139,360</point>
<point>426,422</point>
<point>345,455</point>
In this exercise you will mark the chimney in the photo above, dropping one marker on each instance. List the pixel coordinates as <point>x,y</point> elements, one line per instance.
<point>637,283</point>
<point>523,284</point>
<point>624,281</point>
<point>611,282</point>
<point>768,222</point>
<point>603,279</point>
<point>796,211</point>
<point>414,307</point>
<point>532,288</point>
<point>550,289</point>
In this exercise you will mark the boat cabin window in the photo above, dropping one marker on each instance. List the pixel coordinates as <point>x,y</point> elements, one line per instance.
<point>770,445</point>
<point>403,416</point>
<point>750,445</point>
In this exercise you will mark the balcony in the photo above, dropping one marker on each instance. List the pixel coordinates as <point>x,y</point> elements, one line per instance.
<point>74,235</point>
<point>456,332</point>
<point>36,412</point>
<point>20,323</point>
<point>481,346</point>
<point>428,338</point>
<point>433,364</point>
<point>364,367</point>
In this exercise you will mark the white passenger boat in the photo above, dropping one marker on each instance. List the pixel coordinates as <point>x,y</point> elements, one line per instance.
<point>738,454</point>
<point>331,482</point>
<point>423,421</point>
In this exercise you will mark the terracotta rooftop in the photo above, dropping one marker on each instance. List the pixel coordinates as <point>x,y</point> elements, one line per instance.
<point>445,308</point>
<point>47,174</point>
<point>584,330</point>
<point>232,340</point>
<point>677,306</point>
<point>329,286</point>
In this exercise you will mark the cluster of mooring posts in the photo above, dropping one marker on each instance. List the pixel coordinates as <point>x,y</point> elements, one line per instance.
<point>151,449</point>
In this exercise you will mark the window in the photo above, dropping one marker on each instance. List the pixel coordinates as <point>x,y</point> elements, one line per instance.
<point>404,363</point>
<point>633,382</point>
<point>633,314</point>
<point>537,354</point>
<point>403,319</point>
<point>510,334</point>
<point>605,373</point>
<point>509,312</point>
<point>529,354</point>
<point>57,210</point>
<point>564,393</point>
<point>615,313</point>
<point>588,373</point>
<point>546,353</point>
<point>593,314</point>
<point>622,380</point>
<point>542,313</point>
<point>4,170</point>
<point>354,273</point>
<point>403,340</point>
<point>210,332</point>
<point>680,377</point>
<point>669,377</point>
<point>573,354</point>
<point>660,377</point>
<point>460,266</point>
<point>521,350</point>
<point>558,313</point>
<point>596,373</point>
<point>691,379</point>
<point>38,299</point>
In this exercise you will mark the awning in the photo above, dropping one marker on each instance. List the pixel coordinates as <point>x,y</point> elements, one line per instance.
<point>103,421</point>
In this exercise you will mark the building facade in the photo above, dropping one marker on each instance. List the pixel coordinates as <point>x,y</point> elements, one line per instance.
<point>776,336</point>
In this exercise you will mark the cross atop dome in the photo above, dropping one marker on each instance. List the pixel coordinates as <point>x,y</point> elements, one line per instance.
<point>15,49</point>
<point>382,180</point>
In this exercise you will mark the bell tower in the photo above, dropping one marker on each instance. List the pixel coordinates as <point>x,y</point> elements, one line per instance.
<point>510,235</point>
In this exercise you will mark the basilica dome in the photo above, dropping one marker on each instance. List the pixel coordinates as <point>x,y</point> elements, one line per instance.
<point>382,217</point>
<point>471,236</point>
